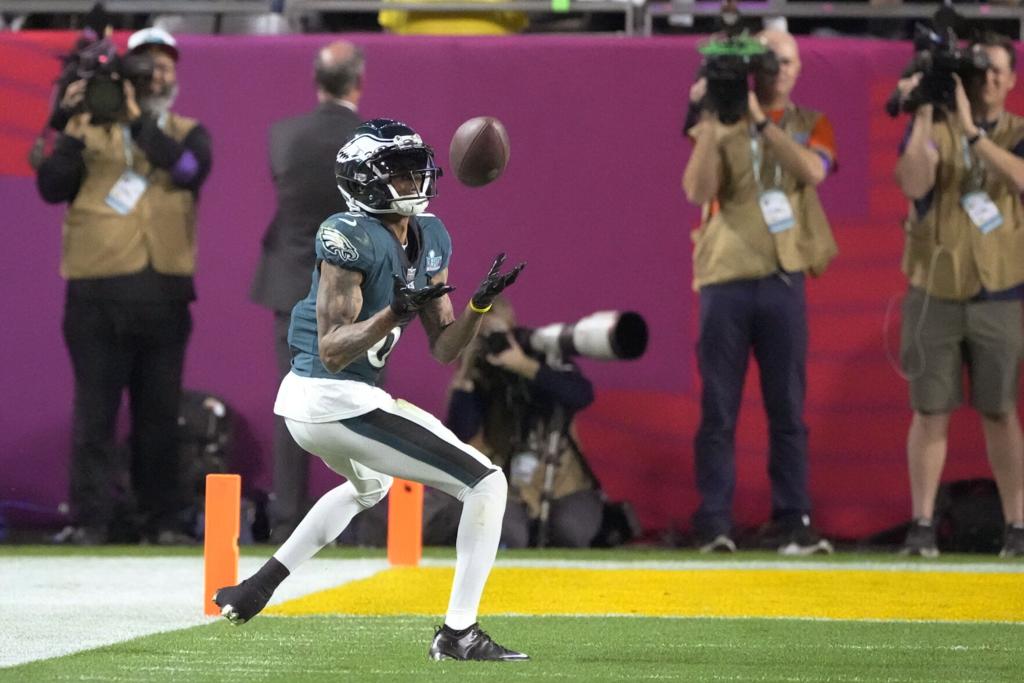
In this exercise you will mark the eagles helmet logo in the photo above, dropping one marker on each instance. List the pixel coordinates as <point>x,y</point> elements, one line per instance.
<point>336,243</point>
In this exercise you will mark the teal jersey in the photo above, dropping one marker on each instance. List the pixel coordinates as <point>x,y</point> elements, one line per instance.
<point>360,242</point>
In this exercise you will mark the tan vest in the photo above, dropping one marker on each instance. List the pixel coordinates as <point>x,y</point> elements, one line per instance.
<point>734,242</point>
<point>497,443</point>
<point>944,239</point>
<point>161,230</point>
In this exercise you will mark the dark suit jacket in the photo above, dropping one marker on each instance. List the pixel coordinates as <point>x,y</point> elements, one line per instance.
<point>302,152</point>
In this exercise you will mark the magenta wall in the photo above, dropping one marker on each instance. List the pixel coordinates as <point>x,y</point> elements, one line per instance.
<point>591,199</point>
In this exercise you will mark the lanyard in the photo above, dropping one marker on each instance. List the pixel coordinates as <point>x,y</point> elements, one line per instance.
<point>757,156</point>
<point>126,138</point>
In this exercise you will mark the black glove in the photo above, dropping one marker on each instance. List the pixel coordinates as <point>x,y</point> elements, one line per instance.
<point>494,283</point>
<point>408,301</point>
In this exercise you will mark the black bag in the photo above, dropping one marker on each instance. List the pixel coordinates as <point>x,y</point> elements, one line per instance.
<point>969,517</point>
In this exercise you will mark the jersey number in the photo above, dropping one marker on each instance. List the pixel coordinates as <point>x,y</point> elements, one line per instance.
<point>379,352</point>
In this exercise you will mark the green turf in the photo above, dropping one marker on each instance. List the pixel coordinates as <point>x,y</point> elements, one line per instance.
<point>563,648</point>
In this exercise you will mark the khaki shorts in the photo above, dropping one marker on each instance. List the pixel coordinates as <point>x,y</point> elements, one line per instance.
<point>985,336</point>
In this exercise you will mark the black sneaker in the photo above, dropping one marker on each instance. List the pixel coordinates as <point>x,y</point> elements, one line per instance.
<point>1013,541</point>
<point>920,541</point>
<point>719,544</point>
<point>471,644</point>
<point>802,540</point>
<point>238,604</point>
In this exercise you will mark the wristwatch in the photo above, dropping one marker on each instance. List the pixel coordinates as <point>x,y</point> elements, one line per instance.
<point>977,136</point>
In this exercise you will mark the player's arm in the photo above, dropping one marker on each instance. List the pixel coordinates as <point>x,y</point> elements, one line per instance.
<point>448,335</point>
<point>338,302</point>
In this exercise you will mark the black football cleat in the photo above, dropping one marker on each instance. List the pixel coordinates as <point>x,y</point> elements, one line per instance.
<point>471,644</point>
<point>238,604</point>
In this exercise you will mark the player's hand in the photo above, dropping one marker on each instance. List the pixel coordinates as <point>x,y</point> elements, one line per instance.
<point>408,301</point>
<point>494,283</point>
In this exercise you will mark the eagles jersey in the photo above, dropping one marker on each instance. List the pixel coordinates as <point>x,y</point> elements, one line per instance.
<point>360,242</point>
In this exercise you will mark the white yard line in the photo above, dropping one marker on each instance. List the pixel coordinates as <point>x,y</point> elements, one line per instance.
<point>52,606</point>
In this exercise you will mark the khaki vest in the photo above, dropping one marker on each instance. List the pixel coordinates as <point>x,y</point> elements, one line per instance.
<point>734,242</point>
<point>161,230</point>
<point>498,444</point>
<point>945,253</point>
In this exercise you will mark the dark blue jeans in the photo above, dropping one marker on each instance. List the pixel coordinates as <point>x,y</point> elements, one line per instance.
<point>768,316</point>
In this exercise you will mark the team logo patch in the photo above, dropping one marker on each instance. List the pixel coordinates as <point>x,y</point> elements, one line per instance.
<point>433,261</point>
<point>337,244</point>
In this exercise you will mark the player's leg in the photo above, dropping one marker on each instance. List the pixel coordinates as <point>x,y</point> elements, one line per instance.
<point>324,522</point>
<point>409,443</point>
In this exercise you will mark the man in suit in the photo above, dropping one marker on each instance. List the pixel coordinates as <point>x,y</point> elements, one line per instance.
<point>302,154</point>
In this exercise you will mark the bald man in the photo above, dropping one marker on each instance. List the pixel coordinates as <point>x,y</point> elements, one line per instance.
<point>302,152</point>
<point>762,230</point>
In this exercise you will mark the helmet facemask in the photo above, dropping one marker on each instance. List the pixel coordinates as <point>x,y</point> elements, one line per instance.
<point>368,167</point>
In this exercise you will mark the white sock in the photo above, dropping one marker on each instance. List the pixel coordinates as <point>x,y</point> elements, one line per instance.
<point>321,525</point>
<point>475,548</point>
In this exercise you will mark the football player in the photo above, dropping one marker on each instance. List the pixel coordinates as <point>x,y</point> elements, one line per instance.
<point>378,266</point>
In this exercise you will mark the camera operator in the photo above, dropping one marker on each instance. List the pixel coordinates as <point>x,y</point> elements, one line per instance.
<point>514,406</point>
<point>963,172</point>
<point>131,176</point>
<point>762,229</point>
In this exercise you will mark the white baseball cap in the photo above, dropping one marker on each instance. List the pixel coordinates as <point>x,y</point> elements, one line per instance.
<point>153,36</point>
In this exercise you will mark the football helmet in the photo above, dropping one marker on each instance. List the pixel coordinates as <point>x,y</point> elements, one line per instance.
<point>379,152</point>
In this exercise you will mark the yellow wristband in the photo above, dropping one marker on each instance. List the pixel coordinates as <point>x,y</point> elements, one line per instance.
<point>473,307</point>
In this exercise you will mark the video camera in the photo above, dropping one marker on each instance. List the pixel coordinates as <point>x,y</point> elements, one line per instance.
<point>105,71</point>
<point>605,335</point>
<point>937,56</point>
<point>727,65</point>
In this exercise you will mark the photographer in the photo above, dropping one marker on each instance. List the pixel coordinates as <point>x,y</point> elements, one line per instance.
<point>514,406</point>
<point>130,171</point>
<point>962,168</point>
<point>754,169</point>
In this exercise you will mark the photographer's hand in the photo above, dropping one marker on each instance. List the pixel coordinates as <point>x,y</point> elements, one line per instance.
<point>963,109</point>
<point>515,360</point>
<point>757,115</point>
<point>73,95</point>
<point>131,105</point>
<point>493,284</point>
<point>76,125</point>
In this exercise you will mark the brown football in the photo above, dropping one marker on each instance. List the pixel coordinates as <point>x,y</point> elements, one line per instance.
<point>479,151</point>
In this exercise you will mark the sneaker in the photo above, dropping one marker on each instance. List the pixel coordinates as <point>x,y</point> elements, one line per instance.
<point>1013,541</point>
<point>719,544</point>
<point>920,541</point>
<point>80,535</point>
<point>803,540</point>
<point>470,644</point>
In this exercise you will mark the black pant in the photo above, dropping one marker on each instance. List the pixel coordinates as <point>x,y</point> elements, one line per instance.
<point>767,315</point>
<point>291,463</point>
<point>114,346</point>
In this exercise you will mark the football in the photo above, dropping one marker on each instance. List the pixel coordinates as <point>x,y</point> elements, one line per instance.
<point>479,151</point>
